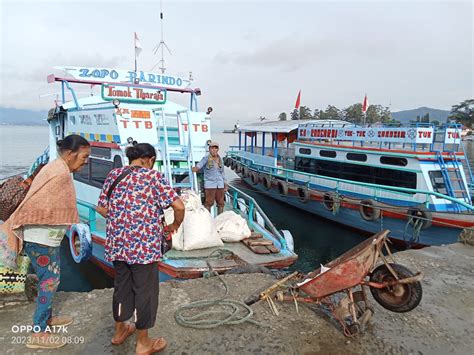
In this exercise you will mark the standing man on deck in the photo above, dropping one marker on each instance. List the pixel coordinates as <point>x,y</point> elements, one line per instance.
<point>215,183</point>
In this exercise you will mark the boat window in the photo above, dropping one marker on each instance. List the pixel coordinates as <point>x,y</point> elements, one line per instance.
<point>393,161</point>
<point>117,162</point>
<point>306,151</point>
<point>83,174</point>
<point>356,156</point>
<point>437,181</point>
<point>357,172</point>
<point>101,152</point>
<point>327,153</point>
<point>94,172</point>
<point>99,171</point>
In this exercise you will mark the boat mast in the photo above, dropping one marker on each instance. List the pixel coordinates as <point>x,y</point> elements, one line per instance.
<point>161,45</point>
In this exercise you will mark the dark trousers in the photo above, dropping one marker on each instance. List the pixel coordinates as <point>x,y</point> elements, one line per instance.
<point>214,195</point>
<point>136,289</point>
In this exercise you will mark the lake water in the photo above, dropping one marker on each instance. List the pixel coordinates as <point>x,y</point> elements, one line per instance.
<point>316,240</point>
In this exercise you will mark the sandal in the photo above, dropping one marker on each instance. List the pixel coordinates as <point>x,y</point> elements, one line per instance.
<point>158,345</point>
<point>130,330</point>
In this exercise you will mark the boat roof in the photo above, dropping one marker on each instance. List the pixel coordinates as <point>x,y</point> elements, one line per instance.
<point>289,125</point>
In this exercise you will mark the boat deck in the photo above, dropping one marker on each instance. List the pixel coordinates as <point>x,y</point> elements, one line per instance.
<point>243,253</point>
<point>193,263</point>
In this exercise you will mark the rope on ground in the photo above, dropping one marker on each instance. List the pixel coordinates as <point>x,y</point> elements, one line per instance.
<point>203,314</point>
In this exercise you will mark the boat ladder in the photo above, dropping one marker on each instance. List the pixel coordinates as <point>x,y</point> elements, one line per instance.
<point>177,158</point>
<point>453,179</point>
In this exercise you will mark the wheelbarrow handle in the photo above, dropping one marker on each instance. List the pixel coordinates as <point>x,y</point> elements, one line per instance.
<point>265,293</point>
<point>407,280</point>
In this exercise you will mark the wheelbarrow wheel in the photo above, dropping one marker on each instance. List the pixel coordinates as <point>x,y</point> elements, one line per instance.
<point>399,298</point>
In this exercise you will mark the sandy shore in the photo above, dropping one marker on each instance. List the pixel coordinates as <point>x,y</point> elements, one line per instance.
<point>441,324</point>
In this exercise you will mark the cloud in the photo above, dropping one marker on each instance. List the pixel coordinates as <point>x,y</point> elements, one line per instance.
<point>291,54</point>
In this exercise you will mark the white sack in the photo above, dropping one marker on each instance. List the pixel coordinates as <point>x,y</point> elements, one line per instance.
<point>199,231</point>
<point>177,236</point>
<point>191,200</point>
<point>232,227</point>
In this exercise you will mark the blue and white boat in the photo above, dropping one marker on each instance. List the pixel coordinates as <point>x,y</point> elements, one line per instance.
<point>134,106</point>
<point>413,181</point>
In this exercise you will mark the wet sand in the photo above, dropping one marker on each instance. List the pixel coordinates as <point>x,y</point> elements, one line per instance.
<point>441,324</point>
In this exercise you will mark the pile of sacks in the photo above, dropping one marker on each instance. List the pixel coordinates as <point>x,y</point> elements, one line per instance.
<point>199,230</point>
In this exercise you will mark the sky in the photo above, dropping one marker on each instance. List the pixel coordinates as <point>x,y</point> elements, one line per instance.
<point>250,58</point>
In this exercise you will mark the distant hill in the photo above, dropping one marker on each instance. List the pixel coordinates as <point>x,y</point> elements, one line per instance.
<point>410,115</point>
<point>13,116</point>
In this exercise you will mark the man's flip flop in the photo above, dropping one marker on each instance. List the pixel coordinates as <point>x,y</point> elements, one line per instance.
<point>158,345</point>
<point>130,330</point>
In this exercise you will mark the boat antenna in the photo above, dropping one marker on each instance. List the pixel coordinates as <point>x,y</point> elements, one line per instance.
<point>162,45</point>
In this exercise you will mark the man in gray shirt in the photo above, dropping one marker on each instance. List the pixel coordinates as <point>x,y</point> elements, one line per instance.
<point>215,183</point>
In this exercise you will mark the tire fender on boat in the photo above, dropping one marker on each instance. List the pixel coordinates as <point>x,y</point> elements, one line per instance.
<point>282,187</point>
<point>238,168</point>
<point>254,177</point>
<point>267,181</point>
<point>368,210</point>
<point>227,161</point>
<point>290,244</point>
<point>420,212</point>
<point>303,194</point>
<point>246,171</point>
<point>329,201</point>
<point>233,164</point>
<point>80,242</point>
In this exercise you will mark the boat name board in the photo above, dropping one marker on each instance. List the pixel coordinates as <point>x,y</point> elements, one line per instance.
<point>141,119</point>
<point>133,94</point>
<point>452,136</point>
<point>373,134</point>
<point>125,76</point>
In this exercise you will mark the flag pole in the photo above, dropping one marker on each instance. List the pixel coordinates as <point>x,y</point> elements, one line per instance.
<point>135,49</point>
<point>365,106</point>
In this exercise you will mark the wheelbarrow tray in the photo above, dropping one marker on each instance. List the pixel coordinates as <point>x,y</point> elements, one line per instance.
<point>346,271</point>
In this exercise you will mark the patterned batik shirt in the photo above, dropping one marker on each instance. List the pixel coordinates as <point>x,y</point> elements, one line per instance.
<point>134,226</point>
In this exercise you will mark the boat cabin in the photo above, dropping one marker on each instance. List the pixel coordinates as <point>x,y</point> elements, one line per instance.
<point>419,163</point>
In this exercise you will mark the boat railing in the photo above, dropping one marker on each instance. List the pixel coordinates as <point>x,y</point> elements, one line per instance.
<point>288,175</point>
<point>92,214</point>
<point>254,213</point>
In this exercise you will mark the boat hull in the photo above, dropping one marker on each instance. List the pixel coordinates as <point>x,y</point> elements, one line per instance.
<point>349,215</point>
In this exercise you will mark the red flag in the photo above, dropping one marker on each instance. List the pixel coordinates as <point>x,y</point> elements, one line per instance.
<point>365,105</point>
<point>298,99</point>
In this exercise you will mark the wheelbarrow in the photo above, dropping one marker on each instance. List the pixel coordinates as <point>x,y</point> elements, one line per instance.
<point>341,285</point>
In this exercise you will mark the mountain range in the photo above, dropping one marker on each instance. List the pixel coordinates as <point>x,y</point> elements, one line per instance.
<point>20,117</point>
<point>410,115</point>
